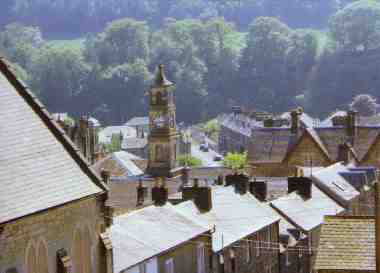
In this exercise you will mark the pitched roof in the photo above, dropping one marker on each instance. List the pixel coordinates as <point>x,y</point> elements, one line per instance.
<point>42,169</point>
<point>105,135</point>
<point>148,232</point>
<point>137,121</point>
<point>332,182</point>
<point>134,143</point>
<point>306,214</point>
<point>347,243</point>
<point>273,144</point>
<point>235,216</point>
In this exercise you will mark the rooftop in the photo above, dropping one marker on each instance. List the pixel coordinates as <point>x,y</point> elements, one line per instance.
<point>42,168</point>
<point>148,232</point>
<point>347,243</point>
<point>134,143</point>
<point>137,121</point>
<point>235,216</point>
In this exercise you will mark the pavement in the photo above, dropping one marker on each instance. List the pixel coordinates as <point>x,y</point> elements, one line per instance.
<point>207,158</point>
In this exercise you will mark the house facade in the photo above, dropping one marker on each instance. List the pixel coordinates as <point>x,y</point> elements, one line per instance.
<point>52,205</point>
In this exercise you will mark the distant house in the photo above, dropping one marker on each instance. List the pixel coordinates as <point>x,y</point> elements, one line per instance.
<point>236,128</point>
<point>244,231</point>
<point>105,135</point>
<point>347,244</point>
<point>136,145</point>
<point>141,124</point>
<point>279,151</point>
<point>158,239</point>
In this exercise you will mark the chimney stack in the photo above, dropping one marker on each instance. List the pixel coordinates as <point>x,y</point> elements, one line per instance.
<point>352,125</point>
<point>241,183</point>
<point>295,121</point>
<point>344,152</point>
<point>237,110</point>
<point>302,185</point>
<point>105,174</point>
<point>159,192</point>
<point>259,189</point>
<point>200,195</point>
<point>141,193</point>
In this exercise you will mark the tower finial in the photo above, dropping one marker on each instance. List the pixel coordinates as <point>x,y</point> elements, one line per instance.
<point>161,80</point>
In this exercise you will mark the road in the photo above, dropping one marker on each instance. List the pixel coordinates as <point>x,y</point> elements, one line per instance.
<point>207,158</point>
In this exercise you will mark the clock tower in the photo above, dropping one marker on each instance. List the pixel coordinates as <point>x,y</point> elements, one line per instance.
<point>163,137</point>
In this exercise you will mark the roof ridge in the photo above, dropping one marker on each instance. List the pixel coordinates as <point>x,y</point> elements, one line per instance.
<point>48,120</point>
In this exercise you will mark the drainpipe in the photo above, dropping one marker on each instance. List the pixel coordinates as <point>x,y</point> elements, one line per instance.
<point>377,225</point>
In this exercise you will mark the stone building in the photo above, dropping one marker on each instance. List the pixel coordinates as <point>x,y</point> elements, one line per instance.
<point>279,151</point>
<point>52,208</point>
<point>245,237</point>
<point>163,137</point>
<point>236,128</point>
<point>158,239</point>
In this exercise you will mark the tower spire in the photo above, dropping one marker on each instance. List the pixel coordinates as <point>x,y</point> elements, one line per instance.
<point>161,80</point>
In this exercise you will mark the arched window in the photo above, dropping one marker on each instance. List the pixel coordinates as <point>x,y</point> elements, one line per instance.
<point>42,259</point>
<point>31,261</point>
<point>82,251</point>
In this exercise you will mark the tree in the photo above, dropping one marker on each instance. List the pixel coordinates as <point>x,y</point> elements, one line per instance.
<point>357,26</point>
<point>188,160</point>
<point>365,104</point>
<point>235,161</point>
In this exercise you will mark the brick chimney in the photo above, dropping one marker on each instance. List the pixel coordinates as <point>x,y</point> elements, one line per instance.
<point>352,125</point>
<point>259,189</point>
<point>159,192</point>
<point>344,152</point>
<point>200,195</point>
<point>303,185</point>
<point>295,121</point>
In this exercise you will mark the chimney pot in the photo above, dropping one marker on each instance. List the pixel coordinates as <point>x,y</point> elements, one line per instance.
<point>159,193</point>
<point>141,193</point>
<point>303,185</point>
<point>200,195</point>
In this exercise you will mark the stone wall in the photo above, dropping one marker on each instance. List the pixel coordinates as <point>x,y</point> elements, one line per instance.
<point>55,228</point>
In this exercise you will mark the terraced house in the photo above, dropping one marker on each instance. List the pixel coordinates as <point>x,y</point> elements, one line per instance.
<point>52,206</point>
<point>279,151</point>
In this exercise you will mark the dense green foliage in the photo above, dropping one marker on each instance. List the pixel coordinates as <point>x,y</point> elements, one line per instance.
<point>215,63</point>
<point>188,160</point>
<point>235,161</point>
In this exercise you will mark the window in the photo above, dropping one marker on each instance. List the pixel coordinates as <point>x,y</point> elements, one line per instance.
<point>42,258</point>
<point>169,266</point>
<point>221,264</point>
<point>201,258</point>
<point>233,261</point>
<point>257,245</point>
<point>248,251</point>
<point>142,268</point>
<point>31,261</point>
<point>82,251</point>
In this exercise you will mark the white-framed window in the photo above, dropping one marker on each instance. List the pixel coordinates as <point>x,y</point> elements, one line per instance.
<point>169,266</point>
<point>201,258</point>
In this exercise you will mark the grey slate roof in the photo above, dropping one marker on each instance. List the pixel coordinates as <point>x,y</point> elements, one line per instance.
<point>148,232</point>
<point>40,167</point>
<point>134,143</point>
<point>306,214</point>
<point>235,216</point>
<point>138,121</point>
<point>330,180</point>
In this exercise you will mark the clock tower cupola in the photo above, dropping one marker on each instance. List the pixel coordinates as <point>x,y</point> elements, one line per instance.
<point>163,137</point>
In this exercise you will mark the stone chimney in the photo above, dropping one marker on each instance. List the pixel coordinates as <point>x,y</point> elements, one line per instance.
<point>351,125</point>
<point>344,152</point>
<point>200,195</point>
<point>159,192</point>
<point>141,193</point>
<point>259,189</point>
<point>105,174</point>
<point>303,185</point>
<point>241,184</point>
<point>295,121</point>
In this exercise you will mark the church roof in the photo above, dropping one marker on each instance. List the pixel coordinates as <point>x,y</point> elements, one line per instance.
<point>41,168</point>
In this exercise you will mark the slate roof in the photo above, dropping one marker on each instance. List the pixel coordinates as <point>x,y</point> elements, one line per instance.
<point>138,121</point>
<point>148,232</point>
<point>273,144</point>
<point>106,134</point>
<point>134,143</point>
<point>235,216</point>
<point>332,182</point>
<point>306,214</point>
<point>347,243</point>
<point>41,167</point>
<point>120,164</point>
